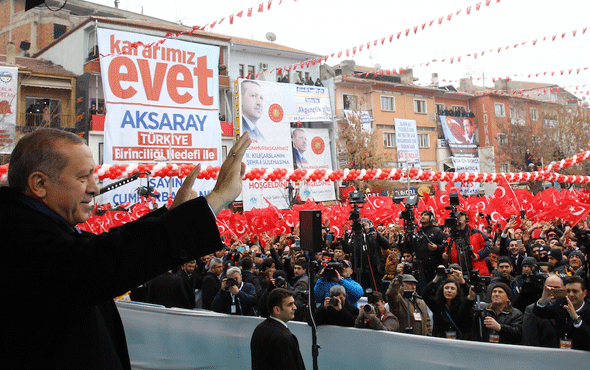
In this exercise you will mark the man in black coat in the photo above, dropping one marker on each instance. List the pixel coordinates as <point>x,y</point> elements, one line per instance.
<point>51,184</point>
<point>571,313</point>
<point>273,346</point>
<point>168,290</point>
<point>211,282</point>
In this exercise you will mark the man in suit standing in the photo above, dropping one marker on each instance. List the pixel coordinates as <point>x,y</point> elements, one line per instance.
<point>273,346</point>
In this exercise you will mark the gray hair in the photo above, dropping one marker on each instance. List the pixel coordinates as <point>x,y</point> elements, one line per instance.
<point>214,261</point>
<point>232,270</point>
<point>337,290</point>
<point>40,151</point>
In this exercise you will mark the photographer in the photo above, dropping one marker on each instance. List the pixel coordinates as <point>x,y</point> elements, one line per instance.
<point>235,297</point>
<point>407,306</point>
<point>375,316</point>
<point>335,310</point>
<point>571,312</point>
<point>477,246</point>
<point>450,310</point>
<point>337,273</point>
<point>277,279</point>
<point>528,286</point>
<point>428,246</point>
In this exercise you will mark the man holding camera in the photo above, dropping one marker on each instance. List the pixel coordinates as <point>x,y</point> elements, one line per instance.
<point>235,297</point>
<point>472,254</point>
<point>428,247</point>
<point>570,309</point>
<point>335,310</point>
<point>408,307</point>
<point>375,316</point>
<point>337,273</point>
<point>501,323</point>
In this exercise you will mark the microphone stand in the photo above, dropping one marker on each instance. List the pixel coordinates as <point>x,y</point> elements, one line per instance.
<point>315,347</point>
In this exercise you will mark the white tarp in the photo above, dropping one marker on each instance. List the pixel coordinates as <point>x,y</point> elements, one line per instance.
<point>406,142</point>
<point>162,101</point>
<point>161,338</point>
<point>8,100</point>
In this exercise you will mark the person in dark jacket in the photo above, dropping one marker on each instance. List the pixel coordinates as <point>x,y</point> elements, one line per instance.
<point>273,346</point>
<point>248,276</point>
<point>335,310</point>
<point>168,290</point>
<point>502,323</point>
<point>235,297</point>
<point>428,247</point>
<point>211,282</point>
<point>537,331</point>
<point>572,313</point>
<point>51,185</point>
<point>450,310</point>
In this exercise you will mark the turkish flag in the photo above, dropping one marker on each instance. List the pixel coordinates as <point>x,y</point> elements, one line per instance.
<point>504,200</point>
<point>249,12</point>
<point>570,211</point>
<point>260,7</point>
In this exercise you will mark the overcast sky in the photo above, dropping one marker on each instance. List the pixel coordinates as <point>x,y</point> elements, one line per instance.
<point>328,26</point>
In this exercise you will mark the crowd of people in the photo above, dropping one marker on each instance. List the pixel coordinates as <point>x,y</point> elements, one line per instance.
<point>522,284</point>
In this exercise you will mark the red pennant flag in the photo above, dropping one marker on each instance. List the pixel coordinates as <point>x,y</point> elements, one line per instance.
<point>477,6</point>
<point>260,7</point>
<point>431,22</point>
<point>488,2</point>
<point>213,24</point>
<point>440,20</point>
<point>468,10</point>
<point>249,12</point>
<point>407,32</point>
<point>269,2</point>
<point>240,13</point>
<point>398,35</point>
<point>449,16</point>
<point>416,29</point>
<point>231,19</point>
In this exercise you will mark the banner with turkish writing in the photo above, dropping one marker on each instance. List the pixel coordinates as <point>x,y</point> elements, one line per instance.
<point>162,101</point>
<point>8,100</point>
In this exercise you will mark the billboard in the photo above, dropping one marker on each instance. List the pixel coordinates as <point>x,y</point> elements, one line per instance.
<point>162,103</point>
<point>406,142</point>
<point>460,134</point>
<point>266,110</point>
<point>8,94</point>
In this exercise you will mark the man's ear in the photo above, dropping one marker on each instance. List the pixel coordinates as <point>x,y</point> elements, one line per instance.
<point>37,184</point>
<point>276,310</point>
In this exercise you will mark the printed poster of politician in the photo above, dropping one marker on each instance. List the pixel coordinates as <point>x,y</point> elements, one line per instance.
<point>460,134</point>
<point>311,150</point>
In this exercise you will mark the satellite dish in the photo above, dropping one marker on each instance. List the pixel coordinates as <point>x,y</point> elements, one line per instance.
<point>377,67</point>
<point>271,36</point>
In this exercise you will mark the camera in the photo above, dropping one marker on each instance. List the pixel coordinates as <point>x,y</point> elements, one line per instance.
<point>229,282</point>
<point>369,308</point>
<point>334,301</point>
<point>331,268</point>
<point>479,282</point>
<point>441,271</point>
<point>280,282</point>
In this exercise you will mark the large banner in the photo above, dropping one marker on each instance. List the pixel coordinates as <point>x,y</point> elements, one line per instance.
<point>460,134</point>
<point>162,103</point>
<point>8,94</point>
<point>406,142</point>
<point>266,110</point>
<point>463,164</point>
<point>363,116</point>
<point>169,338</point>
<point>311,150</point>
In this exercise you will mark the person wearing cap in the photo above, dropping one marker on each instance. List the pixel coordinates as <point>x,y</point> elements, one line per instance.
<point>576,260</point>
<point>555,258</point>
<point>528,286</point>
<point>407,306</point>
<point>375,315</point>
<point>354,291</point>
<point>501,323</point>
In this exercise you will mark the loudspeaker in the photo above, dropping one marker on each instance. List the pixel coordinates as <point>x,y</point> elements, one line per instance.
<point>310,230</point>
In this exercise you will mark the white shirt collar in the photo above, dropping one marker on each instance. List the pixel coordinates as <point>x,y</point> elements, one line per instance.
<point>279,320</point>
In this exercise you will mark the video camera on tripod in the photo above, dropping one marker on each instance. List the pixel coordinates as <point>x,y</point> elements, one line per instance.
<point>464,250</point>
<point>408,214</point>
<point>356,198</point>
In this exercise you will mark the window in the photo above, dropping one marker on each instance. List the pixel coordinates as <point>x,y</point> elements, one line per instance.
<point>251,72</point>
<point>389,139</point>
<point>423,141</point>
<point>458,108</point>
<point>439,108</point>
<point>350,102</point>
<point>549,123</point>
<point>502,140</point>
<point>242,70</point>
<point>92,46</point>
<point>534,114</point>
<point>58,30</point>
<point>388,103</point>
<point>536,141</point>
<point>505,167</point>
<point>500,110</point>
<point>419,106</point>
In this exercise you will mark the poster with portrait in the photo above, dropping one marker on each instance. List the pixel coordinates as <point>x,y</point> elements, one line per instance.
<point>460,134</point>
<point>8,100</point>
<point>311,150</point>
<point>265,110</point>
<point>162,103</point>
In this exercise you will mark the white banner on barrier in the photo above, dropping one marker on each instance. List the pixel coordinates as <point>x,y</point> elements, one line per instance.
<point>163,338</point>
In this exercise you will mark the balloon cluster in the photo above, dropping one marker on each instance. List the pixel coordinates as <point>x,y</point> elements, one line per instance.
<point>565,163</point>
<point>120,171</point>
